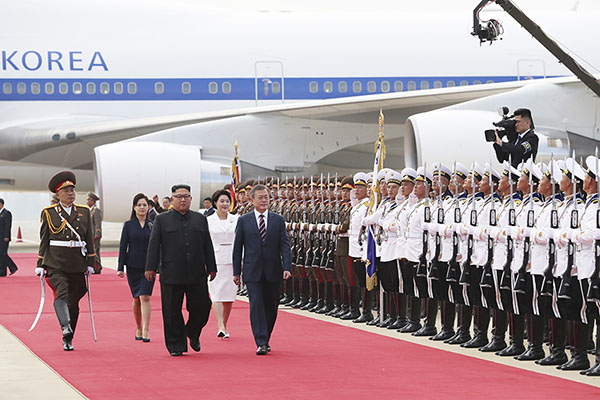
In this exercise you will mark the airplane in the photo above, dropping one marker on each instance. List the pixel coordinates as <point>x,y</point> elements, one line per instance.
<point>135,96</point>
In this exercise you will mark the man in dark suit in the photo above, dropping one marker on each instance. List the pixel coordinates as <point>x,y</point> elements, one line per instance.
<point>208,206</point>
<point>5,227</point>
<point>262,238</point>
<point>521,147</point>
<point>180,243</point>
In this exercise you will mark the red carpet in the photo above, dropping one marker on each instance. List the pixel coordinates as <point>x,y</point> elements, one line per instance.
<point>310,358</point>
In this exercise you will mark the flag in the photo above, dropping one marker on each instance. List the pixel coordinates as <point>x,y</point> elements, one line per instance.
<point>375,198</point>
<point>235,176</point>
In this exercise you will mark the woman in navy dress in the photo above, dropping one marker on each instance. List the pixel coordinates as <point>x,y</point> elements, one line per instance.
<point>132,253</point>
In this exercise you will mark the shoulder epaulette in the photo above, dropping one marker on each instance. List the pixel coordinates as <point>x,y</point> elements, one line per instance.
<point>50,206</point>
<point>81,205</point>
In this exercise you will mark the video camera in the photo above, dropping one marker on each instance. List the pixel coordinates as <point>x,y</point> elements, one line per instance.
<point>506,127</point>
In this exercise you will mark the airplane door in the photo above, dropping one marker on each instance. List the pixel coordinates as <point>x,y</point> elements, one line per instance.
<point>531,69</point>
<point>269,82</point>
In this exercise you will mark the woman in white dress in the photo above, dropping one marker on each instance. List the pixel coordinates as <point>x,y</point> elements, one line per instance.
<point>222,290</point>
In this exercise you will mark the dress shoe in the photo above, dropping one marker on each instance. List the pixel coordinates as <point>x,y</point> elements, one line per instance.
<point>220,334</point>
<point>176,353</point>
<point>512,350</point>
<point>13,272</point>
<point>447,341</point>
<point>443,335</point>
<point>343,311</point>
<point>475,343</point>
<point>284,299</point>
<point>365,317</point>
<point>336,309</point>
<point>577,363</point>
<point>385,323</point>
<point>195,344</point>
<point>318,305</point>
<point>146,340</point>
<point>460,338</point>
<point>67,344</point>
<point>593,371</point>
<point>268,349</point>
<point>531,354</point>
<point>397,324</point>
<point>426,331</point>
<point>138,338</point>
<point>410,327</point>
<point>554,358</point>
<point>495,345</point>
<point>350,315</point>
<point>373,321</point>
<point>325,309</point>
<point>261,351</point>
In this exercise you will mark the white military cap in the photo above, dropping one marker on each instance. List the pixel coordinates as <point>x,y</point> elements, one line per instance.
<point>394,177</point>
<point>530,168</point>
<point>409,174</point>
<point>592,166</point>
<point>511,171</point>
<point>381,174</point>
<point>548,172</point>
<point>572,167</point>
<point>370,177</point>
<point>422,175</point>
<point>489,170</point>
<point>477,171</point>
<point>442,170</point>
<point>461,171</point>
<point>360,178</point>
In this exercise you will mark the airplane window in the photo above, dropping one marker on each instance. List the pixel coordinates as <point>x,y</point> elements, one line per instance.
<point>118,87</point>
<point>489,81</point>
<point>356,87</point>
<point>35,88</point>
<point>104,88</point>
<point>424,85</point>
<point>186,88</point>
<point>398,86</point>
<point>226,87</point>
<point>464,83</point>
<point>342,87</point>
<point>7,88</point>
<point>371,86</point>
<point>132,88</point>
<point>450,83</point>
<point>437,84</point>
<point>385,86</point>
<point>21,88</point>
<point>49,88</point>
<point>275,87</point>
<point>213,87</point>
<point>313,87</point>
<point>476,82</point>
<point>90,88</point>
<point>77,88</point>
<point>411,85</point>
<point>63,88</point>
<point>328,87</point>
<point>159,88</point>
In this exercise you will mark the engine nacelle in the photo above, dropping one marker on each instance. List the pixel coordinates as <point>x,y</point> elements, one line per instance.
<point>127,168</point>
<point>457,135</point>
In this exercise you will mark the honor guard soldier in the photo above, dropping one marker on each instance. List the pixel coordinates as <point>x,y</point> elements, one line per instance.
<point>66,252</point>
<point>92,202</point>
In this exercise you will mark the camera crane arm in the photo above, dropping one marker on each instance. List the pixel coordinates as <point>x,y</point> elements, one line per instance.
<point>493,29</point>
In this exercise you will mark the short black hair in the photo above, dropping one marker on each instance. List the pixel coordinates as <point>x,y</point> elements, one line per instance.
<point>2,201</point>
<point>524,113</point>
<point>181,186</point>
<point>207,198</point>
<point>218,194</point>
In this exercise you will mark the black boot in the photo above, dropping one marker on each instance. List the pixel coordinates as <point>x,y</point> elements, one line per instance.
<point>353,312</point>
<point>329,299</point>
<point>320,297</point>
<point>447,332</point>
<point>516,325</point>
<point>463,335</point>
<point>579,361</point>
<point>497,343</point>
<point>558,334</point>
<point>366,315</point>
<point>535,335</point>
<point>482,324</point>
<point>414,323</point>
<point>64,319</point>
<point>429,328</point>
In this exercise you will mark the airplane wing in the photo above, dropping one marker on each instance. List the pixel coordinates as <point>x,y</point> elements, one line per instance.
<point>69,141</point>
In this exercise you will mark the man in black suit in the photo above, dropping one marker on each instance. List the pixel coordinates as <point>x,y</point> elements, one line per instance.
<point>208,206</point>
<point>5,227</point>
<point>521,147</point>
<point>262,238</point>
<point>180,243</point>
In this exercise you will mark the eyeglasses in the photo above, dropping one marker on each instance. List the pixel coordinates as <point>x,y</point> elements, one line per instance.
<point>182,196</point>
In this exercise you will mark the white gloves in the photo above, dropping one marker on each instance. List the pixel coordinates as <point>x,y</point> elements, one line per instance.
<point>90,270</point>
<point>40,271</point>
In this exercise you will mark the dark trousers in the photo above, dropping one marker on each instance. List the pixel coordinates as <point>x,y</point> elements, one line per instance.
<point>197,303</point>
<point>5,260</point>
<point>69,287</point>
<point>264,300</point>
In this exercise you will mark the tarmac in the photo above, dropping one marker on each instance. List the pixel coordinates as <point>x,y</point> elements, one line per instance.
<point>20,367</point>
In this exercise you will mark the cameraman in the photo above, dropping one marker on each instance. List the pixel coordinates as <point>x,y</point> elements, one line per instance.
<point>521,147</point>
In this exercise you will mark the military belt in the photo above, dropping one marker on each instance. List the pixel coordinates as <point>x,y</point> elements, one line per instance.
<point>67,243</point>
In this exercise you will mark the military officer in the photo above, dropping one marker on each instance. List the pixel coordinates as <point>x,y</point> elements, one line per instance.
<point>66,252</point>
<point>92,202</point>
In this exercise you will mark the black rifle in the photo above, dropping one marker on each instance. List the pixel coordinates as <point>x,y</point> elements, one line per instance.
<point>422,267</point>
<point>434,269</point>
<point>564,292</point>
<point>453,267</point>
<point>521,279</point>
<point>487,278</point>
<point>594,290</point>
<point>466,272</point>
<point>505,280</point>
<point>548,281</point>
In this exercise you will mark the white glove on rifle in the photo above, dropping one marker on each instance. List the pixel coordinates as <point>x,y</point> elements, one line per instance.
<point>90,270</point>
<point>40,271</point>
